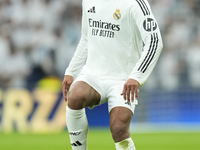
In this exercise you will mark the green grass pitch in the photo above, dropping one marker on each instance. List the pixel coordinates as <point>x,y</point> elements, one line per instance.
<point>100,140</point>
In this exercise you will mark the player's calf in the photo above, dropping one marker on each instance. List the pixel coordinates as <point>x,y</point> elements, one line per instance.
<point>120,118</point>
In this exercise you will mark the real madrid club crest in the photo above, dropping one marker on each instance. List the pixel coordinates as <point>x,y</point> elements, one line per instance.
<point>117,14</point>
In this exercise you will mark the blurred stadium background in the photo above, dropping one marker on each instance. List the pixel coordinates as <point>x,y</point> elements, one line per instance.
<point>38,39</point>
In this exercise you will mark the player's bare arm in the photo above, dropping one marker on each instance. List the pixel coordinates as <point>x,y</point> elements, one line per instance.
<point>130,90</point>
<point>67,81</point>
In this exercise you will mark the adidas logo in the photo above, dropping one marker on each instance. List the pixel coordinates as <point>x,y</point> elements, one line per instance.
<point>77,143</point>
<point>128,103</point>
<point>92,10</point>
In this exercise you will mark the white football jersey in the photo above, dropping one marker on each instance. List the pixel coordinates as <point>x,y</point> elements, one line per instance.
<point>120,40</point>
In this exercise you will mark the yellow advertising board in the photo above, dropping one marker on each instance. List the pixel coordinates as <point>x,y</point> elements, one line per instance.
<point>39,111</point>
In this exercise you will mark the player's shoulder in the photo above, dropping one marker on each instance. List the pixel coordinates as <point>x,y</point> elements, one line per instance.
<point>132,2</point>
<point>137,3</point>
<point>139,6</point>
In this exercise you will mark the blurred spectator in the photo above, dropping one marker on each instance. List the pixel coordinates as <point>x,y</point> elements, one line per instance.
<point>169,78</point>
<point>193,61</point>
<point>15,67</point>
<point>4,52</point>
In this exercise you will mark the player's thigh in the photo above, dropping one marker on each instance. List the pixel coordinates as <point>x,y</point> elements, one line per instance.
<point>81,95</point>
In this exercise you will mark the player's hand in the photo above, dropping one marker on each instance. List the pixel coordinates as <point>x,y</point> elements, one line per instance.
<point>130,90</point>
<point>67,81</point>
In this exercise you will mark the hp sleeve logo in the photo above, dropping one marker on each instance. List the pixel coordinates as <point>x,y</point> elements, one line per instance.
<point>149,25</point>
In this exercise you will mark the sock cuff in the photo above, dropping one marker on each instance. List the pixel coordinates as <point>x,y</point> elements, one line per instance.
<point>75,113</point>
<point>125,144</point>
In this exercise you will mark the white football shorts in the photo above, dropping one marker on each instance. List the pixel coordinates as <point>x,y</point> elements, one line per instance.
<point>110,91</point>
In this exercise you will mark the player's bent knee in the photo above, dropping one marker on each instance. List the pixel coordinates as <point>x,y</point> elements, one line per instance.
<point>76,99</point>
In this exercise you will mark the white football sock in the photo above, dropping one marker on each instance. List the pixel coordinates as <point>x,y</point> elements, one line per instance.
<point>126,144</point>
<point>77,125</point>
